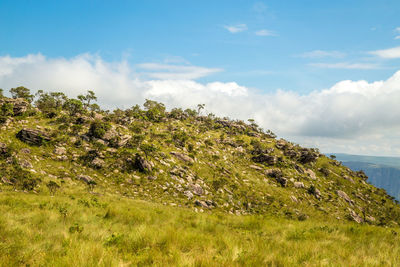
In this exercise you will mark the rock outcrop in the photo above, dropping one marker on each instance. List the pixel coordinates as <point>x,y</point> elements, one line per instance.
<point>33,137</point>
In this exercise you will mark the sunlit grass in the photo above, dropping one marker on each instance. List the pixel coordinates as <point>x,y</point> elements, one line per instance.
<point>84,230</point>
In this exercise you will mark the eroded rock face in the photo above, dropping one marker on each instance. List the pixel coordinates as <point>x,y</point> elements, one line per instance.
<point>20,105</point>
<point>33,137</point>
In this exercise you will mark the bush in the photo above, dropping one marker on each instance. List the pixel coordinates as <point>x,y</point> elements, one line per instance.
<point>98,128</point>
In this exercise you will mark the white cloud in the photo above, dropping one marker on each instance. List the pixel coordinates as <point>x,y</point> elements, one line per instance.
<point>236,28</point>
<point>322,54</point>
<point>390,53</point>
<point>351,116</point>
<point>397,29</point>
<point>397,37</point>
<point>265,32</point>
<point>176,72</point>
<point>346,65</point>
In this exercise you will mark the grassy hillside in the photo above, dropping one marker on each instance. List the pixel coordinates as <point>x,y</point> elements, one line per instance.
<point>87,230</point>
<point>149,186</point>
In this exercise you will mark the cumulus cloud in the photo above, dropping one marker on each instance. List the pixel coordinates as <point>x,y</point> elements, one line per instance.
<point>236,28</point>
<point>351,116</point>
<point>346,65</point>
<point>322,54</point>
<point>390,53</point>
<point>265,32</point>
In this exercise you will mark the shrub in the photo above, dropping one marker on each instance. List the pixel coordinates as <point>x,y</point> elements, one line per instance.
<point>98,128</point>
<point>21,92</point>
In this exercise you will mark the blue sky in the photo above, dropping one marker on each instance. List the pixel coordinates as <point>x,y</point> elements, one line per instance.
<point>195,32</point>
<point>320,73</point>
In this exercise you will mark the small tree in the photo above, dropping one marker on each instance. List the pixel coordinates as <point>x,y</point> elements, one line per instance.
<point>1,93</point>
<point>73,106</point>
<point>86,99</point>
<point>155,111</point>
<point>21,92</point>
<point>200,107</point>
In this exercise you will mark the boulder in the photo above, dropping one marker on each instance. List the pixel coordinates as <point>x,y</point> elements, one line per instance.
<point>97,163</point>
<point>274,173</point>
<point>60,150</point>
<point>311,174</point>
<point>355,217</point>
<point>265,158</point>
<point>182,157</point>
<point>33,137</point>
<point>345,197</point>
<point>282,181</point>
<point>142,164</point>
<point>307,156</point>
<point>208,204</point>
<point>298,184</point>
<point>188,194</point>
<point>196,189</point>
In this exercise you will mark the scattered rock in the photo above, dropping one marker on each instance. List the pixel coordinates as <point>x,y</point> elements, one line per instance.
<point>298,184</point>
<point>345,197</point>
<point>60,150</point>
<point>97,163</point>
<point>188,194</point>
<point>197,189</point>
<point>294,199</point>
<point>353,215</point>
<point>25,164</point>
<point>311,174</point>
<point>32,137</point>
<point>208,204</point>
<point>182,157</point>
<point>25,151</point>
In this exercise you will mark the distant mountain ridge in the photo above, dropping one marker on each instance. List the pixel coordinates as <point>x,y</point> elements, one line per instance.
<point>383,172</point>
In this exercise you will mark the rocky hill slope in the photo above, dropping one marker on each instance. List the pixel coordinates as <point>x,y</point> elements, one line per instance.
<point>55,145</point>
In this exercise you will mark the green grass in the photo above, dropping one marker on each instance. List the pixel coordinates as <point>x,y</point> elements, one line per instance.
<point>88,230</point>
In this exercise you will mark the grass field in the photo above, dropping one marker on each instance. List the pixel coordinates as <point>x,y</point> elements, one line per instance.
<point>87,230</point>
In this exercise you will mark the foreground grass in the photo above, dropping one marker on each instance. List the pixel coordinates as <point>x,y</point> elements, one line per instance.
<point>84,230</point>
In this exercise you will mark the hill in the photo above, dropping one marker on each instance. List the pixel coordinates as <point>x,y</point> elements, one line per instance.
<point>74,172</point>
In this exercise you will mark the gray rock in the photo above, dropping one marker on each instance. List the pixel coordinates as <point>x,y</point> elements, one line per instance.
<point>188,194</point>
<point>142,164</point>
<point>265,158</point>
<point>33,137</point>
<point>345,197</point>
<point>197,189</point>
<point>282,181</point>
<point>20,105</point>
<point>182,157</point>
<point>97,163</point>
<point>298,184</point>
<point>60,150</point>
